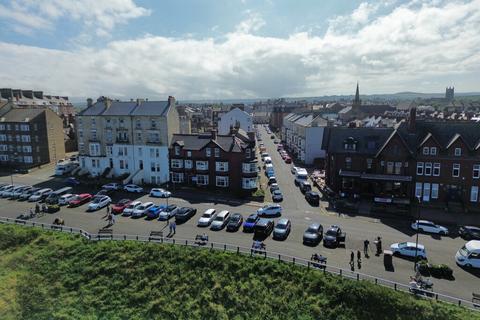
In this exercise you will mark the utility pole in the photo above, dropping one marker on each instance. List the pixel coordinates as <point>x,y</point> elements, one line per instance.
<point>416,241</point>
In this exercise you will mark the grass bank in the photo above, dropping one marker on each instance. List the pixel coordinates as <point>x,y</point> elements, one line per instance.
<point>46,275</point>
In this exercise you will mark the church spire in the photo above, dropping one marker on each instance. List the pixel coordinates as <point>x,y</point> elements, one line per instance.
<point>357,100</point>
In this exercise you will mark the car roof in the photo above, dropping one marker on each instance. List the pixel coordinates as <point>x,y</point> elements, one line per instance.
<point>263,221</point>
<point>473,245</point>
<point>472,228</point>
<point>210,211</point>
<point>136,202</point>
<point>412,244</point>
<point>84,194</point>
<point>282,221</point>
<point>314,225</point>
<point>147,203</point>
<point>426,221</point>
<point>236,214</point>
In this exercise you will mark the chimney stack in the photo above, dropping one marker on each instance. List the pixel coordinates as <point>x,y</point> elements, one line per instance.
<point>171,100</point>
<point>107,102</point>
<point>412,120</point>
<point>89,102</point>
<point>213,132</point>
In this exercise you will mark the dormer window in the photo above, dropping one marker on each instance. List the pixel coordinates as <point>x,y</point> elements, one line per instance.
<point>426,151</point>
<point>458,152</point>
<point>177,150</point>
<point>350,144</point>
<point>433,151</point>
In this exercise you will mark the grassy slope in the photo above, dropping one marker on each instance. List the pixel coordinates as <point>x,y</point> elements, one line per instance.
<point>50,275</point>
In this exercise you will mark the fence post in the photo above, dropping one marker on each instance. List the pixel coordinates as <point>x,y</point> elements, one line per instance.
<point>308,265</point>
<point>238,249</point>
<point>376,281</point>
<point>395,286</point>
<point>98,236</point>
<point>211,245</point>
<point>186,242</point>
<point>459,302</point>
<point>358,277</point>
<point>161,239</point>
<point>293,260</point>
<point>42,225</point>
<point>436,296</point>
<point>111,236</point>
<point>71,230</point>
<point>124,237</point>
<point>224,247</point>
<point>279,257</point>
<point>137,237</point>
<point>173,241</point>
<point>340,271</point>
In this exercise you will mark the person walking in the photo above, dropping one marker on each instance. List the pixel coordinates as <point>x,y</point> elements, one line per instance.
<point>37,208</point>
<point>113,218</point>
<point>352,257</point>
<point>170,228</point>
<point>359,256</point>
<point>108,209</point>
<point>174,227</point>
<point>366,243</point>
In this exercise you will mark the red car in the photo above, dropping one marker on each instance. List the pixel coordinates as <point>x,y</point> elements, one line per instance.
<point>280,147</point>
<point>288,159</point>
<point>120,205</point>
<point>80,199</point>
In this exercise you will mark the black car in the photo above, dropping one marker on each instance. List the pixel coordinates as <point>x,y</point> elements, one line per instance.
<point>333,237</point>
<point>305,186</point>
<point>313,235</point>
<point>250,222</point>
<point>469,232</point>
<point>184,213</point>
<point>235,222</point>
<point>264,227</point>
<point>312,197</point>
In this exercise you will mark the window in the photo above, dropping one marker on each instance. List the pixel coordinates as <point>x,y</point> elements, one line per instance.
<point>3,137</point>
<point>474,194</point>
<point>389,167</point>
<point>426,191</point>
<point>152,152</point>
<point>217,152</point>
<point>28,159</point>
<point>248,152</point>
<point>25,138</point>
<point>109,150</point>
<point>177,150</point>
<point>433,151</point>
<point>456,170</point>
<point>476,171</point>
<point>16,127</point>
<point>80,134</point>
<point>369,163</point>
<point>434,190</point>
<point>221,166</point>
<point>2,127</point>
<point>139,136</point>
<point>419,168</point>
<point>189,154</point>
<point>94,164</point>
<point>348,163</point>
<point>208,152</point>
<point>9,127</point>
<point>94,122</point>
<point>221,182</point>
<point>188,164</point>
<point>398,167</point>
<point>17,138</point>
<point>121,123</point>
<point>249,167</point>
<point>202,179</point>
<point>24,127</point>
<point>94,149</point>
<point>81,147</point>
<point>153,123</point>
<point>436,169</point>
<point>27,149</point>
<point>177,163</point>
<point>140,152</point>
<point>201,165</point>
<point>3,147</point>
<point>157,153</point>
<point>428,168</point>
<point>3,157</point>
<point>138,124</point>
<point>458,152</point>
<point>418,189</point>
<point>249,183</point>
<point>177,177</point>
<point>426,151</point>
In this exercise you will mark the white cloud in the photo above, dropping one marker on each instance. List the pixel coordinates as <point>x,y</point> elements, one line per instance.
<point>253,22</point>
<point>422,47</point>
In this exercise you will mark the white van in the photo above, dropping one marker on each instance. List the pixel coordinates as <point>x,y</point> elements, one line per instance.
<point>469,255</point>
<point>300,175</point>
<point>65,167</point>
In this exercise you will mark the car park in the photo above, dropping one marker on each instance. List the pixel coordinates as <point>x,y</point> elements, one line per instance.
<point>313,235</point>
<point>40,195</point>
<point>429,227</point>
<point>154,212</point>
<point>133,188</point>
<point>469,232</point>
<point>207,218</point>
<point>263,227</point>
<point>54,196</point>
<point>277,195</point>
<point>250,222</point>
<point>407,249</point>
<point>312,197</point>
<point>334,236</point>
<point>469,255</point>
<point>168,213</point>
<point>112,186</point>
<point>221,220</point>
<point>80,199</point>
<point>130,208</point>
<point>270,210</point>
<point>121,205</point>
<point>236,220</point>
<point>26,194</point>
<point>99,202</point>
<point>282,229</point>
<point>142,209</point>
<point>160,193</point>
<point>65,199</point>
<point>184,214</point>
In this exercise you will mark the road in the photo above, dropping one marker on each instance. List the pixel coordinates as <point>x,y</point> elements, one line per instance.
<point>358,228</point>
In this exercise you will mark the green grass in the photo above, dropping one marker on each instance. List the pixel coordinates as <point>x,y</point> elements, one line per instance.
<point>46,275</point>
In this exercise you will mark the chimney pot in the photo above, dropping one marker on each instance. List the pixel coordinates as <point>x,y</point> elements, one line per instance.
<point>214,134</point>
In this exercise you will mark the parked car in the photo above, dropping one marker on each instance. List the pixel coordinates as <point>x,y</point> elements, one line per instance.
<point>40,195</point>
<point>280,147</point>
<point>468,255</point>
<point>220,221</point>
<point>112,186</point>
<point>184,214</point>
<point>130,208</point>
<point>26,194</point>
<point>7,193</point>
<point>282,229</point>
<point>80,199</point>
<point>469,232</point>
<point>104,192</point>
<point>168,212</point>
<point>294,170</point>
<point>287,159</point>
<point>313,235</point>
<point>120,206</point>
<point>236,220</point>
<point>312,197</point>
<point>305,186</point>
<point>72,182</point>
<point>273,187</point>
<point>133,188</point>
<point>66,198</point>
<point>429,226</point>
<point>272,179</point>
<point>272,136</point>
<point>334,236</point>
<point>277,196</point>
<point>263,227</point>
<point>207,218</point>
<point>160,193</point>
<point>270,210</point>
<point>407,249</point>
<point>154,212</point>
<point>250,222</point>
<point>99,202</point>
<point>142,209</point>
<point>18,192</point>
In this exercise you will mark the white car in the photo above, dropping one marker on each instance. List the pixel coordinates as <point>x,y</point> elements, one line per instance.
<point>40,195</point>
<point>160,193</point>
<point>270,210</point>
<point>468,255</point>
<point>99,202</point>
<point>9,192</point>
<point>207,218</point>
<point>112,186</point>
<point>294,170</point>
<point>18,192</point>
<point>65,199</point>
<point>133,188</point>
<point>132,206</point>
<point>429,226</point>
<point>142,209</point>
<point>168,212</point>
<point>407,249</point>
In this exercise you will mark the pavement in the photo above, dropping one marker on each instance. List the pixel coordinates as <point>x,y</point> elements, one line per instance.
<point>301,214</point>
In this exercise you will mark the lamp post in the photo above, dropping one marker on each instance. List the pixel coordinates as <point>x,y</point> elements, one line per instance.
<point>13,164</point>
<point>416,241</point>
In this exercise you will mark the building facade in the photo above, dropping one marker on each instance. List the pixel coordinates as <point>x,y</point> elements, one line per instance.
<point>235,118</point>
<point>29,137</point>
<point>118,138</point>
<point>226,162</point>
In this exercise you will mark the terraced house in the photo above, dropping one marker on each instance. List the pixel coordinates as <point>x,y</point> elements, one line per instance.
<point>226,162</point>
<point>127,138</point>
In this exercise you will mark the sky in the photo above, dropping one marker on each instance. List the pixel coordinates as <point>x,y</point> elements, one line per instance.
<point>238,49</point>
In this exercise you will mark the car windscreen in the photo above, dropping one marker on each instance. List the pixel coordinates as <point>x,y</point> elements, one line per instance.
<point>251,219</point>
<point>331,232</point>
<point>131,206</point>
<point>206,215</point>
<point>282,226</point>
<point>312,230</point>
<point>97,200</point>
<point>218,218</point>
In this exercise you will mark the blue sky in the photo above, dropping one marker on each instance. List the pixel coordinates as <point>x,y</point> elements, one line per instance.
<point>195,49</point>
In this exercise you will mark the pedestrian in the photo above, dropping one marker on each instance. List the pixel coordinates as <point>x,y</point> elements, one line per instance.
<point>352,257</point>
<point>37,208</point>
<point>108,209</point>
<point>170,227</point>
<point>366,243</point>
<point>113,218</point>
<point>359,256</point>
<point>174,227</point>
<point>31,212</point>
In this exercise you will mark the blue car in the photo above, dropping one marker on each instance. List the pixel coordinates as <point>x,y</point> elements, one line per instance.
<point>72,182</point>
<point>270,174</point>
<point>250,222</point>
<point>154,212</point>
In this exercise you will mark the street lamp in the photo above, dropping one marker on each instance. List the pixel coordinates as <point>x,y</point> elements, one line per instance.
<point>13,164</point>
<point>416,241</point>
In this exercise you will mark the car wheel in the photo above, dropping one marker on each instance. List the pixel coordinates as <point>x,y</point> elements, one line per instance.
<point>468,265</point>
<point>443,233</point>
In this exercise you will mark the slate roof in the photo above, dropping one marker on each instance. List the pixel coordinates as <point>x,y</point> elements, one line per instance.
<point>125,108</point>
<point>370,140</point>
<point>21,114</point>
<point>228,143</point>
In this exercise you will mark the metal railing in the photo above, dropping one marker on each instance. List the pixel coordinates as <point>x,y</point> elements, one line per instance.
<point>345,273</point>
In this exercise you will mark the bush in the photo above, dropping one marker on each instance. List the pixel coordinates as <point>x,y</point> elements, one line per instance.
<point>441,271</point>
<point>259,193</point>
